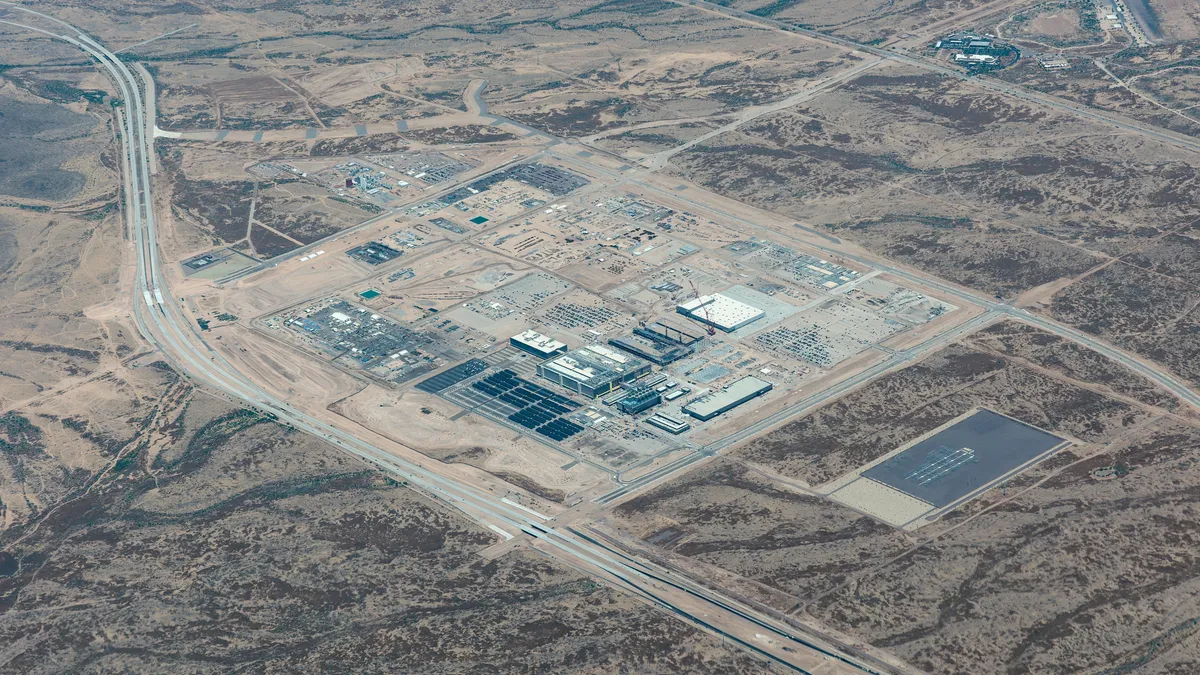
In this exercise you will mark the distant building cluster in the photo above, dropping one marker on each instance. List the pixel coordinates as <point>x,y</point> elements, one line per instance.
<point>973,49</point>
<point>1056,62</point>
<point>967,42</point>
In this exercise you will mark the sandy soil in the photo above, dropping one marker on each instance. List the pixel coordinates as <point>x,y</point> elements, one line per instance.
<point>434,427</point>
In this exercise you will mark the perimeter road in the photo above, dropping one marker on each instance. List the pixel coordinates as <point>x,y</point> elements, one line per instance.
<point>159,319</point>
<point>897,359</point>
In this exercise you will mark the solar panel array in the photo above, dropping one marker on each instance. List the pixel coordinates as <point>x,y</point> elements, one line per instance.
<point>538,408</point>
<point>453,376</point>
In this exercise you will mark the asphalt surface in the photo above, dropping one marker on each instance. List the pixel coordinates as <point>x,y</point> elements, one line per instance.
<point>165,326</point>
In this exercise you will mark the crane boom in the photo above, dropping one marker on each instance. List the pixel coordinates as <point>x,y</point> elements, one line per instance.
<point>708,319</point>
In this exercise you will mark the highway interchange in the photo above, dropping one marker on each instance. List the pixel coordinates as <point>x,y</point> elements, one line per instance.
<point>164,324</point>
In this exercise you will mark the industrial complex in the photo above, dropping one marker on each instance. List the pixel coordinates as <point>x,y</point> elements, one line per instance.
<point>858,336</point>
<point>651,342</point>
<point>593,370</point>
<point>710,405</point>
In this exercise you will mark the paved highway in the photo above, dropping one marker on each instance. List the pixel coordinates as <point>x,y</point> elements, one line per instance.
<point>165,326</point>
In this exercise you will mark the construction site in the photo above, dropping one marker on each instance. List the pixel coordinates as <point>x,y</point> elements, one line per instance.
<point>591,337</point>
<point>656,329</point>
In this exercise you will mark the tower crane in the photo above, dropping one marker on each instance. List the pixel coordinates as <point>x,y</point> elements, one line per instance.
<point>707,326</point>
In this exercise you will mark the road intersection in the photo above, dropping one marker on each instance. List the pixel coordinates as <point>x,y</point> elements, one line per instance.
<point>165,326</point>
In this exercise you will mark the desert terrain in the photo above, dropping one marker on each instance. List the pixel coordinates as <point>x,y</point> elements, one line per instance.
<point>597,337</point>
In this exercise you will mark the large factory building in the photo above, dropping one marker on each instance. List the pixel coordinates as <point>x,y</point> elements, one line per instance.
<point>537,344</point>
<point>710,405</point>
<point>720,311</point>
<point>594,370</point>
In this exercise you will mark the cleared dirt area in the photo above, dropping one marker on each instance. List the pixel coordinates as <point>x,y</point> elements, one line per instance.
<point>445,434</point>
<point>259,103</point>
<point>58,270</point>
<point>1055,24</point>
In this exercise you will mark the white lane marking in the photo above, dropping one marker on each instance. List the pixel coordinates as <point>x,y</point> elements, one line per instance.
<point>510,502</point>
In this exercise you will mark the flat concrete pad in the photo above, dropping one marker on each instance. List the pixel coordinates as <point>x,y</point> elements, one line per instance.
<point>963,458</point>
<point>885,503</point>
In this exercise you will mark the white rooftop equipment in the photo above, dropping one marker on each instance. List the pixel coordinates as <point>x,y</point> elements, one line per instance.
<point>537,344</point>
<point>710,405</point>
<point>720,311</point>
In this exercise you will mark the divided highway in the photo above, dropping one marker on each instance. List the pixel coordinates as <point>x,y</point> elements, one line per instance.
<point>165,326</point>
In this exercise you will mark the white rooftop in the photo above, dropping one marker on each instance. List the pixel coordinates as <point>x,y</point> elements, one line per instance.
<point>721,311</point>
<point>610,354</point>
<point>735,394</point>
<point>538,341</point>
<point>593,362</point>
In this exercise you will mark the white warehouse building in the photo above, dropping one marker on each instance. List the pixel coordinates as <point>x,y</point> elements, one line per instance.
<point>720,311</point>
